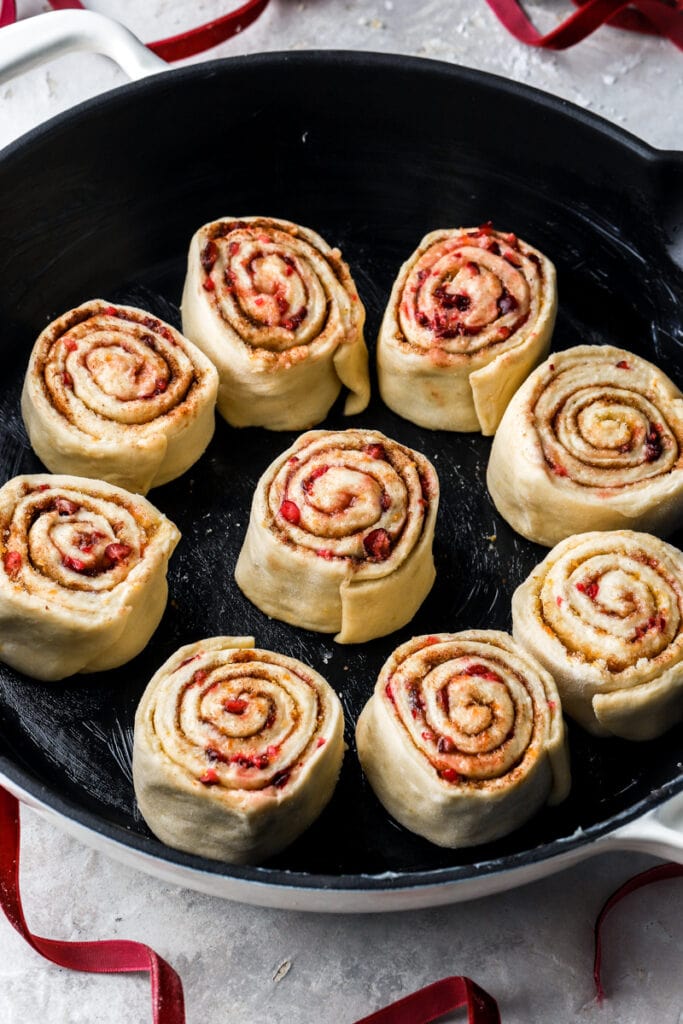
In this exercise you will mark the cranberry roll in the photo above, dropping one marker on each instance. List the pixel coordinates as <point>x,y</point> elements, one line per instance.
<point>114,393</point>
<point>604,613</point>
<point>470,314</point>
<point>592,440</point>
<point>277,311</point>
<point>236,750</point>
<point>82,574</point>
<point>463,738</point>
<point>340,535</point>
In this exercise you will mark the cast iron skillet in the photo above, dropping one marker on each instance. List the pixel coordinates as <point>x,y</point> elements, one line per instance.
<point>371,151</point>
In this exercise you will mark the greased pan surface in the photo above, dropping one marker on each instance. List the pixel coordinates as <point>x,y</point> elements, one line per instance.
<point>372,152</point>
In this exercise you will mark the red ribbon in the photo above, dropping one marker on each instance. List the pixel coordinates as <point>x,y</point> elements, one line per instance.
<point>656,874</point>
<point>122,956</point>
<point>655,17</point>
<point>109,957</point>
<point>436,1000</point>
<point>185,44</point>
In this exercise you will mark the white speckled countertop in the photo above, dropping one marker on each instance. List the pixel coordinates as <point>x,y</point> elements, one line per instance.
<point>531,948</point>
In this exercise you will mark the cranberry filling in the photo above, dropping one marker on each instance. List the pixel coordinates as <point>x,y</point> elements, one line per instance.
<point>448,300</point>
<point>589,589</point>
<point>449,774</point>
<point>445,745</point>
<point>375,451</point>
<point>115,553</point>
<point>325,553</point>
<point>200,677</point>
<point>209,256</point>
<point>208,285</point>
<point>506,302</point>
<point>12,562</point>
<point>653,445</point>
<point>281,779</point>
<point>209,778</point>
<point>482,672</point>
<point>73,563</point>
<point>295,321</point>
<point>289,510</point>
<point>308,482</point>
<point>236,706</point>
<point>378,544</point>
<point>65,507</point>
<point>70,345</point>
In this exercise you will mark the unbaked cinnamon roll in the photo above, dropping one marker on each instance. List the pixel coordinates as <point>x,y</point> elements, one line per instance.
<point>603,612</point>
<point>340,535</point>
<point>236,750</point>
<point>470,314</point>
<point>592,440</point>
<point>114,393</point>
<point>463,739</point>
<point>277,311</point>
<point>82,574</point>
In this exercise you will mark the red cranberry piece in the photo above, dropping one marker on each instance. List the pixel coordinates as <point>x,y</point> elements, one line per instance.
<point>623,365</point>
<point>378,544</point>
<point>653,445</point>
<point>281,779</point>
<point>209,255</point>
<point>589,589</point>
<point>552,705</point>
<point>70,345</point>
<point>473,269</point>
<point>237,706</point>
<point>289,510</point>
<point>315,475</point>
<point>482,672</point>
<point>115,553</point>
<point>199,677</point>
<point>67,380</point>
<point>390,693</point>
<point>506,302</point>
<point>449,774</point>
<point>325,553</point>
<point>557,469</point>
<point>208,285</point>
<point>385,501</point>
<point>111,311</point>
<point>559,600</point>
<point>445,745</point>
<point>65,507</point>
<point>73,563</point>
<point>12,562</point>
<point>486,228</point>
<point>210,777</point>
<point>375,451</point>
<point>295,321</point>
<point>321,741</point>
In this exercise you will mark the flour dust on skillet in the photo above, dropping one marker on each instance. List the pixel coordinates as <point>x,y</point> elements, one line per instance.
<point>73,740</point>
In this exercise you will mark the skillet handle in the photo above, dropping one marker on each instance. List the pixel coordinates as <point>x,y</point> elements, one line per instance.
<point>44,37</point>
<point>660,832</point>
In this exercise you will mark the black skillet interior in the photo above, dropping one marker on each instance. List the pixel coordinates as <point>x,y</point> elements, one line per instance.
<point>372,152</point>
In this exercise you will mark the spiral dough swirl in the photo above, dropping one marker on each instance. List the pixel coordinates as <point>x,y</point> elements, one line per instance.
<point>248,734</point>
<point>337,511</point>
<point>115,393</point>
<point>78,556</point>
<point>603,613</point>
<point>593,439</point>
<point>463,300</point>
<point>278,312</point>
<point>471,718</point>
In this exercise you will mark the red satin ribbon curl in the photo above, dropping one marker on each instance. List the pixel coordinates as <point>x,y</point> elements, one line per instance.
<point>109,957</point>
<point>660,873</point>
<point>654,17</point>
